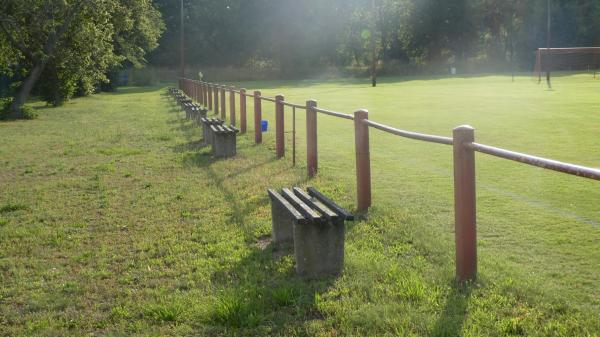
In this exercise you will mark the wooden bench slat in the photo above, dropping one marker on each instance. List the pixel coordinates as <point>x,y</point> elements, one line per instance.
<point>329,203</point>
<point>302,207</point>
<point>316,204</point>
<point>296,216</point>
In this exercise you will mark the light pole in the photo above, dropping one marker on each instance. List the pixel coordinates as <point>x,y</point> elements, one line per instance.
<point>549,23</point>
<point>181,46</point>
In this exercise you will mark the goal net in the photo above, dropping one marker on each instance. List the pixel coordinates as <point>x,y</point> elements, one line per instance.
<point>566,59</point>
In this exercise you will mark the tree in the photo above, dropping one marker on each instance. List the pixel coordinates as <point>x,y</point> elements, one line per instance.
<point>72,44</point>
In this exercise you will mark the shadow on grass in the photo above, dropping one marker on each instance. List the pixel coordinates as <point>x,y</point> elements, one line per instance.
<point>453,316</point>
<point>240,207</point>
<point>196,145</point>
<point>262,289</point>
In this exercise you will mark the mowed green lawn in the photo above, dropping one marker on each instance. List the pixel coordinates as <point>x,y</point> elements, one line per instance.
<point>115,221</point>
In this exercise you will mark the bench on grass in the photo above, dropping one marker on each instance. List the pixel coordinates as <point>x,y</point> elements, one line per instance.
<point>316,227</point>
<point>187,107</point>
<point>191,110</point>
<point>207,134</point>
<point>172,91</point>
<point>199,114</point>
<point>223,141</point>
<point>196,113</point>
<point>183,101</point>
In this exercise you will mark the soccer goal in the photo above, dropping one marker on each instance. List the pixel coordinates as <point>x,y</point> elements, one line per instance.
<point>576,59</point>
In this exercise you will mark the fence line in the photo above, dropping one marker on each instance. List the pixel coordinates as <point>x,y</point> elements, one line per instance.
<point>462,141</point>
<point>549,164</point>
<point>335,113</point>
<point>410,134</point>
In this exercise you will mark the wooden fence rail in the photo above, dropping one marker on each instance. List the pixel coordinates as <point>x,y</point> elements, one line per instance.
<point>462,141</point>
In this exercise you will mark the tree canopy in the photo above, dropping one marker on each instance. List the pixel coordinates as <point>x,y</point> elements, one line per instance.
<point>413,35</point>
<point>61,47</point>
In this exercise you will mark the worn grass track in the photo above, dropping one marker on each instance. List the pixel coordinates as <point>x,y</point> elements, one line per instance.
<point>115,221</point>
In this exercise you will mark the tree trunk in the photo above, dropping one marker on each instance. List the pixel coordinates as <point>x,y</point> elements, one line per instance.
<point>24,90</point>
<point>373,60</point>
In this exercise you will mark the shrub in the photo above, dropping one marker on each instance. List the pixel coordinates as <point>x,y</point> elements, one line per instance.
<point>29,112</point>
<point>5,103</point>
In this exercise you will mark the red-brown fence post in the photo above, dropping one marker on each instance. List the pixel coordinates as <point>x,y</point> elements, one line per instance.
<point>257,118</point>
<point>311,138</point>
<point>242,110</point>
<point>191,88</point>
<point>216,102</point>
<point>200,93</point>
<point>223,107</point>
<point>279,127</point>
<point>196,95</point>
<point>465,232</point>
<point>210,97</point>
<point>232,106</point>
<point>205,94</point>
<point>363,160</point>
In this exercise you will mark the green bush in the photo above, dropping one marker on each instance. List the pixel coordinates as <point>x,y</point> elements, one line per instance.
<point>5,103</point>
<point>29,112</point>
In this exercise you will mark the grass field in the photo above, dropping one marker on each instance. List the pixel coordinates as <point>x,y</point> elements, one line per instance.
<point>114,221</point>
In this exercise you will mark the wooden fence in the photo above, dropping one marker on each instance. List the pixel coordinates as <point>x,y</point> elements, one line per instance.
<point>462,141</point>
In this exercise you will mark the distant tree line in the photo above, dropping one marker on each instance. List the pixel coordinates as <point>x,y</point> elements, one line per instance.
<point>61,48</point>
<point>410,36</point>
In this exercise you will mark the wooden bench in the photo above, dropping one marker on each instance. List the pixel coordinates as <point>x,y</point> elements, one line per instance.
<point>316,226</point>
<point>224,141</point>
<point>197,112</point>
<point>207,134</point>
<point>172,91</point>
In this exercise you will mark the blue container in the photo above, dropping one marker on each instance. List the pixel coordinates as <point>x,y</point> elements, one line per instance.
<point>264,125</point>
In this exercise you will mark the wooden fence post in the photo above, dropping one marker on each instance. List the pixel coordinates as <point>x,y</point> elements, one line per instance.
<point>191,86</point>
<point>465,232</point>
<point>201,92</point>
<point>257,118</point>
<point>311,138</point>
<point>242,110</point>
<point>232,106</point>
<point>279,127</point>
<point>223,107</point>
<point>216,102</point>
<point>363,160</point>
<point>210,97</point>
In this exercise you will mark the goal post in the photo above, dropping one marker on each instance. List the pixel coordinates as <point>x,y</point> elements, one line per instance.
<point>566,59</point>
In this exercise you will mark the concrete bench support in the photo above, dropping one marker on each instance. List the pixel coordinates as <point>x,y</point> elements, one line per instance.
<point>283,218</point>
<point>199,114</point>
<point>317,227</point>
<point>224,141</point>
<point>207,134</point>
